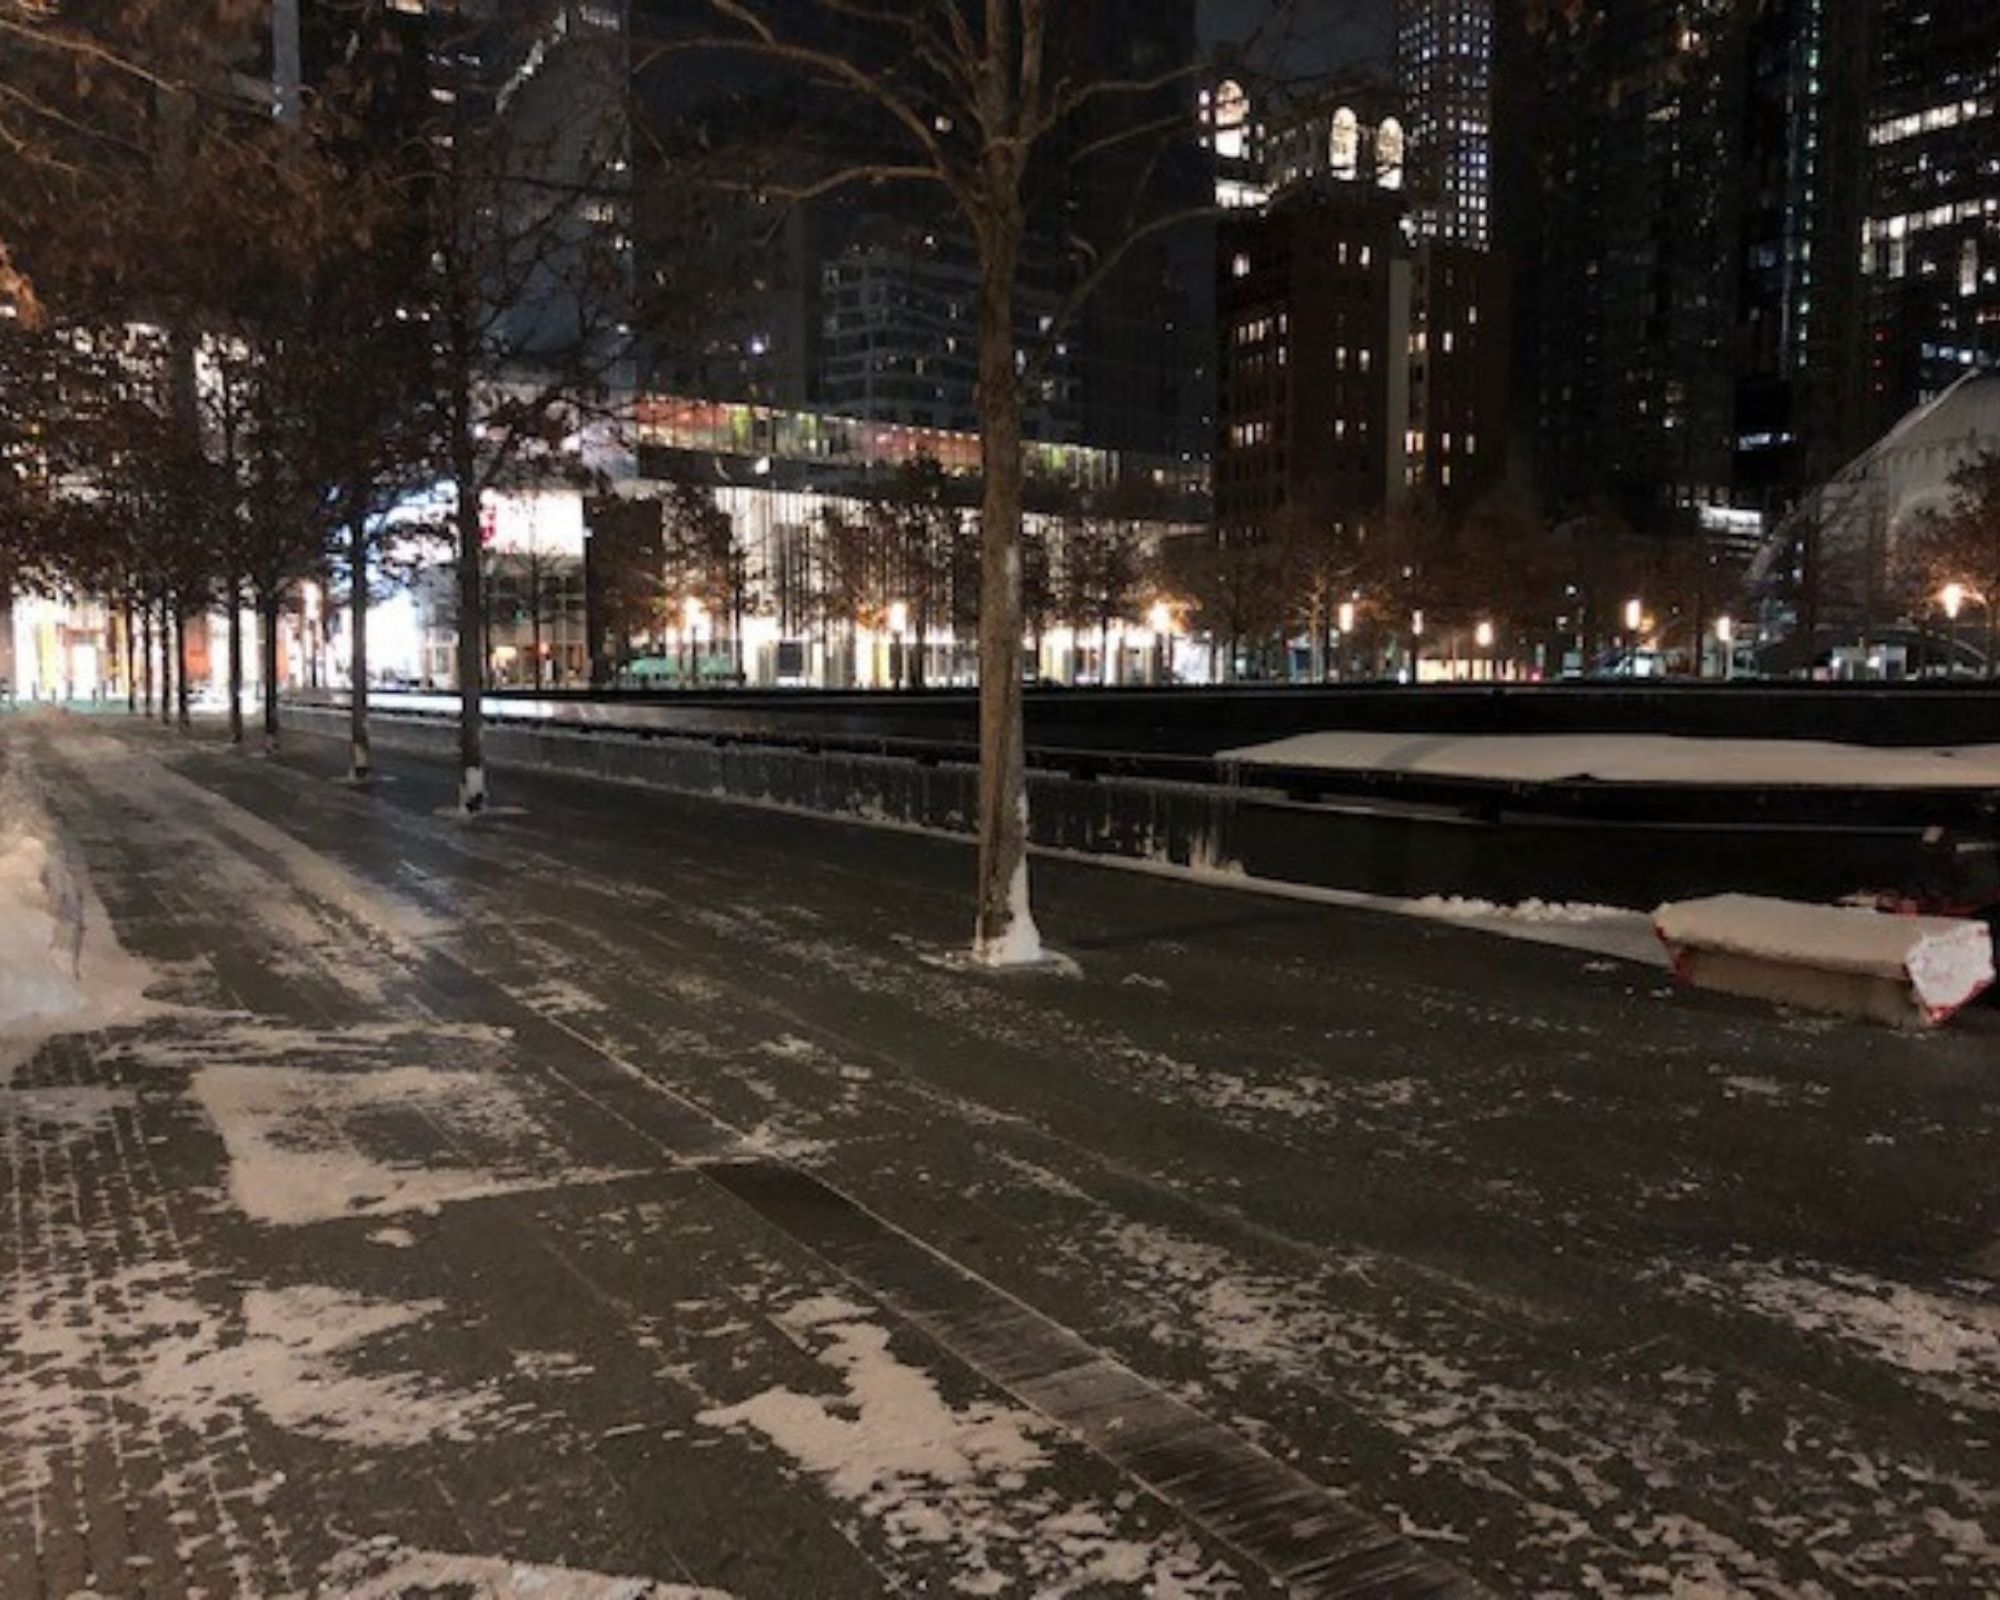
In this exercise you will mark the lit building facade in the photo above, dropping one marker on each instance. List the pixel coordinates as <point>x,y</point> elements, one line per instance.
<point>1931,238</point>
<point>1681,203</point>
<point>1444,69</point>
<point>1313,301</point>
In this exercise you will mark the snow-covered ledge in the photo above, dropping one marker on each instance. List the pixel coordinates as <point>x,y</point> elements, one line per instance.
<point>1905,971</point>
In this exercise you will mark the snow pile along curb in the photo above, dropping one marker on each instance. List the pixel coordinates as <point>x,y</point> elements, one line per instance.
<point>60,967</point>
<point>41,913</point>
<point>1906,971</point>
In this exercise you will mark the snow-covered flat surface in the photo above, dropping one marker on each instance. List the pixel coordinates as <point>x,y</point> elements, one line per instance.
<point>1632,758</point>
<point>1946,961</point>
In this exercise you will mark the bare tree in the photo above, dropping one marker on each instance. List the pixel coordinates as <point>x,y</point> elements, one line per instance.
<point>528,303</point>
<point>976,101</point>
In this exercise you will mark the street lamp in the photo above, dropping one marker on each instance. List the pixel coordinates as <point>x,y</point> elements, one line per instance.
<point>899,622</point>
<point>1161,620</point>
<point>1725,633</point>
<point>1953,600</point>
<point>692,613</point>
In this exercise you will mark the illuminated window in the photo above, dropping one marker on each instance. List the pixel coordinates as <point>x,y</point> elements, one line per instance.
<point>1344,146</point>
<point>1232,119</point>
<point>1389,147</point>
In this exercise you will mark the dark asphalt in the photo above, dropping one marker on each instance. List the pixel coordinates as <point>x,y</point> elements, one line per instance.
<point>718,1232</point>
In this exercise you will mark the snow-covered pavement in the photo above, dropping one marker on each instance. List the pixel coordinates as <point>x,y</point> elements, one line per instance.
<point>613,1200</point>
<point>1631,758</point>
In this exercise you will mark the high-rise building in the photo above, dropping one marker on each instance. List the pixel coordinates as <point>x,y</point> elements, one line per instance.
<point>1444,67</point>
<point>1460,343</point>
<point>1679,198</point>
<point>1313,304</point>
<point>1931,239</point>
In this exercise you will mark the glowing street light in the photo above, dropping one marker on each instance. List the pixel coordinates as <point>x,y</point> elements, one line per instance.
<point>1346,616</point>
<point>1725,633</point>
<point>1635,615</point>
<point>1161,620</point>
<point>899,623</point>
<point>1953,600</point>
<point>1483,636</point>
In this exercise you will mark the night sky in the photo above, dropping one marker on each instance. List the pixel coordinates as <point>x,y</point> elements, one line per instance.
<point>1315,35</point>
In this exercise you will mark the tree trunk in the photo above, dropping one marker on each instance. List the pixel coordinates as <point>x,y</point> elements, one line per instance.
<point>131,659</point>
<point>268,605</point>
<point>1004,933</point>
<point>736,626</point>
<point>536,599</point>
<point>471,632</point>
<point>236,662</point>
<point>183,700</point>
<point>166,665</point>
<point>360,757</point>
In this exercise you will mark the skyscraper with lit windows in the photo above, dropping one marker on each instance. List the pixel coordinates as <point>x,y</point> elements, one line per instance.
<point>1459,324</point>
<point>1931,239</point>
<point>1444,64</point>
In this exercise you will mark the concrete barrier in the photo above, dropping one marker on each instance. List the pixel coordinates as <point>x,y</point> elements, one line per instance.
<point>1399,850</point>
<point>1910,972</point>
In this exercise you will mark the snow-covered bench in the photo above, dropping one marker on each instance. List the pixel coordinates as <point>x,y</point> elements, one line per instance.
<point>1906,971</point>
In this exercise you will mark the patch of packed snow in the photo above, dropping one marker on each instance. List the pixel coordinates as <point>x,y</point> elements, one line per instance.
<point>62,968</point>
<point>73,1108</point>
<point>1632,758</point>
<point>960,1477</point>
<point>385,1570</point>
<point>294,1364</point>
<point>294,1354</point>
<point>1920,1331</point>
<point>309,1146</point>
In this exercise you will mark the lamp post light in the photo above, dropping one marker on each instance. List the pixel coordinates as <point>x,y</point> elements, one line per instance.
<point>899,623</point>
<point>1482,638</point>
<point>692,613</point>
<point>1725,634</point>
<point>1416,645</point>
<point>1161,620</point>
<point>1952,598</point>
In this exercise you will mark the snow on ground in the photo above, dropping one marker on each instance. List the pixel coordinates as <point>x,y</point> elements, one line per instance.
<point>1632,758</point>
<point>310,1145</point>
<point>1925,1333</point>
<point>148,1337</point>
<point>385,1570</point>
<point>61,966</point>
<point>962,1478</point>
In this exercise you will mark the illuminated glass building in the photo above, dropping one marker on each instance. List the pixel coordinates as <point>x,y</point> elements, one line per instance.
<point>1931,239</point>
